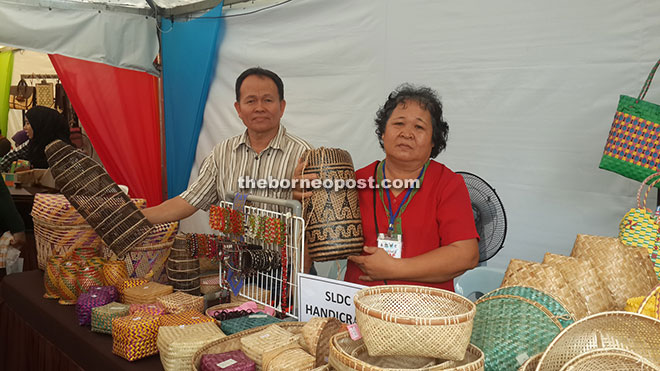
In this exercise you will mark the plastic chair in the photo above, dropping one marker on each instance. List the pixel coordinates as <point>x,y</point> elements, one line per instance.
<point>478,281</point>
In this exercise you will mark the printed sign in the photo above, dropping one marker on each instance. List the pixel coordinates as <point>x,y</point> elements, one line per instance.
<point>325,297</point>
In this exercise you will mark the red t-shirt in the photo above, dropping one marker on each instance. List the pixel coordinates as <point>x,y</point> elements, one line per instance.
<point>440,213</point>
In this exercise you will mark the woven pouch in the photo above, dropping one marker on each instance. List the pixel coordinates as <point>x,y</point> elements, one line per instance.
<point>626,271</point>
<point>267,340</point>
<point>147,293</point>
<point>102,316</point>
<point>189,317</point>
<point>582,276</point>
<point>134,336</point>
<point>177,344</point>
<point>86,302</point>
<point>545,278</point>
<point>232,326</point>
<point>234,360</point>
<point>154,309</point>
<point>178,302</point>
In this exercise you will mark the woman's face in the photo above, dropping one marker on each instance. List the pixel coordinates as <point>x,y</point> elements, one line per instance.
<point>408,134</point>
<point>28,129</point>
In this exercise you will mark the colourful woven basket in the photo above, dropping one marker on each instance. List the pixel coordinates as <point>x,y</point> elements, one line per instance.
<point>86,302</point>
<point>111,291</point>
<point>102,316</point>
<point>55,240</point>
<point>648,305</point>
<point>389,316</point>
<point>68,283</point>
<point>56,209</point>
<point>134,336</point>
<point>177,344</point>
<point>51,277</point>
<point>189,317</point>
<point>128,283</point>
<point>153,309</point>
<point>145,294</point>
<point>89,276</point>
<point>115,273</point>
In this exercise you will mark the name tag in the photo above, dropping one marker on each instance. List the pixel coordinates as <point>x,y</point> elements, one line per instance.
<point>391,244</point>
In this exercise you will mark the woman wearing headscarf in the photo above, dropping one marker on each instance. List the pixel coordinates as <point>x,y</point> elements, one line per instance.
<point>42,125</point>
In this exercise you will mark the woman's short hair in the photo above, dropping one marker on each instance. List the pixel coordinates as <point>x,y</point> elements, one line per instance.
<point>427,98</point>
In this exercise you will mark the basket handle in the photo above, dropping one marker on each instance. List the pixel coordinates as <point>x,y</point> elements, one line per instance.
<point>647,84</point>
<point>641,202</point>
<point>655,292</point>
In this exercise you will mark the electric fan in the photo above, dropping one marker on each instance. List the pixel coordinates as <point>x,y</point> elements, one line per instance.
<point>489,216</point>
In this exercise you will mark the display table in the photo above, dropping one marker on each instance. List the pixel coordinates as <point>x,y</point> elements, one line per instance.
<point>40,334</point>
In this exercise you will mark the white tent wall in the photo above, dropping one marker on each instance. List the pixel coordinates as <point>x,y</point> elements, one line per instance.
<point>529,90</point>
<point>26,62</point>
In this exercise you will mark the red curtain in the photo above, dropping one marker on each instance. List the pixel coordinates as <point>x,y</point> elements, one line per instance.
<point>118,110</point>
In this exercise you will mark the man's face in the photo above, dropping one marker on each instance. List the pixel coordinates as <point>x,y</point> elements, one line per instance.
<point>260,106</point>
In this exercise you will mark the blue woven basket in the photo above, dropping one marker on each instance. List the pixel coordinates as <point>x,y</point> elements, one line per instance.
<point>232,326</point>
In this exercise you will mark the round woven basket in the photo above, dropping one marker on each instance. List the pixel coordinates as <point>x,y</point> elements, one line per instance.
<point>294,358</point>
<point>51,277</point>
<point>57,240</point>
<point>56,209</point>
<point>333,222</point>
<point>233,342</point>
<point>620,330</point>
<point>348,355</point>
<point>317,334</point>
<point>531,363</point>
<point>507,326</point>
<point>609,360</point>
<point>389,316</point>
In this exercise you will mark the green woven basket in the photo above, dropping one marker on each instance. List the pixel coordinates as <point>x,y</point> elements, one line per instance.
<point>232,326</point>
<point>545,299</point>
<point>102,316</point>
<point>509,329</point>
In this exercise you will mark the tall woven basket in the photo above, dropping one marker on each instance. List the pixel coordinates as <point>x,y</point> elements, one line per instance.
<point>97,198</point>
<point>334,225</point>
<point>440,321</point>
<point>182,269</point>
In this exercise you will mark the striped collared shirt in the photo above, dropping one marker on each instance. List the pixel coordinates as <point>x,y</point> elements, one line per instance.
<point>234,158</point>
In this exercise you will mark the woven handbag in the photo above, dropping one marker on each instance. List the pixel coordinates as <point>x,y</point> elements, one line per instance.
<point>639,227</point>
<point>631,149</point>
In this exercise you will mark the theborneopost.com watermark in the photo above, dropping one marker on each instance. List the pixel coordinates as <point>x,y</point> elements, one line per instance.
<point>246,182</point>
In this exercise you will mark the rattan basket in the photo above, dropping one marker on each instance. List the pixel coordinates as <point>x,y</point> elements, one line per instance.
<point>389,316</point>
<point>212,311</point>
<point>51,277</point>
<point>234,360</point>
<point>531,363</point>
<point>233,342</point>
<point>152,309</point>
<point>189,317</point>
<point>177,344</point>
<point>134,336</point>
<point>508,326</point>
<point>290,359</point>
<point>545,278</point>
<point>56,209</point>
<point>611,359</point>
<point>209,283</point>
<point>102,316</point>
<point>316,335</point>
<point>128,283</point>
<point>147,293</point>
<point>267,340</point>
<point>182,269</point>
<point>621,330</point>
<point>626,271</point>
<point>648,305</point>
<point>94,194</point>
<point>57,240</point>
<point>178,302</point>
<point>348,355</point>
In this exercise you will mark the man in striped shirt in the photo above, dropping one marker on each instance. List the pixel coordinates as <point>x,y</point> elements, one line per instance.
<point>264,149</point>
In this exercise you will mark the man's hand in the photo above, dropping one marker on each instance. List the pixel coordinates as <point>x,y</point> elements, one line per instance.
<point>18,240</point>
<point>378,265</point>
<point>298,192</point>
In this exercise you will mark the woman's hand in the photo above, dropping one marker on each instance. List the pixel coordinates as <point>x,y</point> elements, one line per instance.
<point>376,266</point>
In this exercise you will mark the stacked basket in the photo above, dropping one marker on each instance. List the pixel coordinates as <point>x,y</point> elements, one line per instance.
<point>182,268</point>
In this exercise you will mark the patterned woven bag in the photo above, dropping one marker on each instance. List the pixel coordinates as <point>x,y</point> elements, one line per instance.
<point>86,302</point>
<point>154,309</point>
<point>178,302</point>
<point>67,281</point>
<point>89,276</point>
<point>111,291</point>
<point>134,336</point>
<point>102,316</point>
<point>639,227</point>
<point>631,149</point>
<point>189,317</point>
<point>115,273</point>
<point>51,277</point>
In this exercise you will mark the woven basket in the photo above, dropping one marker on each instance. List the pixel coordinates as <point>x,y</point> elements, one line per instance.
<point>609,360</point>
<point>531,363</point>
<point>102,316</point>
<point>582,276</point>
<point>97,198</point>
<point>348,355</point>
<point>236,325</point>
<point>545,278</point>
<point>145,294</point>
<point>290,359</point>
<point>56,209</point>
<point>67,281</point>
<point>620,330</point>
<point>648,305</point>
<point>178,302</point>
<point>333,222</point>
<point>209,283</point>
<point>114,273</point>
<point>86,302</point>
<point>51,277</point>
<point>626,271</point>
<point>152,309</point>
<point>316,335</point>
<point>389,316</point>
<point>177,344</point>
<point>236,301</point>
<point>110,291</point>
<point>128,283</point>
<point>134,336</point>
<point>89,276</point>
<point>553,305</point>
<point>55,240</point>
<point>189,317</point>
<point>508,326</point>
<point>267,340</point>
<point>234,360</point>
<point>233,342</point>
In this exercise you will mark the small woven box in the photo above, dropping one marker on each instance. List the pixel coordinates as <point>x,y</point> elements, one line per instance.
<point>235,360</point>
<point>146,294</point>
<point>134,336</point>
<point>232,326</point>
<point>189,317</point>
<point>294,358</point>
<point>108,290</point>
<point>128,283</point>
<point>102,316</point>
<point>265,341</point>
<point>154,309</point>
<point>86,302</point>
<point>178,302</point>
<point>178,344</point>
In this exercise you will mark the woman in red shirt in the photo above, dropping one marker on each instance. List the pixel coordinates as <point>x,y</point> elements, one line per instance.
<point>428,231</point>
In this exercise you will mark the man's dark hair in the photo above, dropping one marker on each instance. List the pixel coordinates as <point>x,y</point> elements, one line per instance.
<point>427,98</point>
<point>258,71</point>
